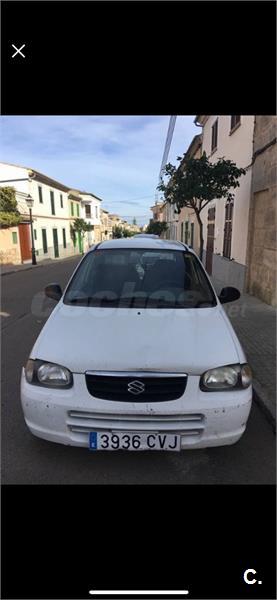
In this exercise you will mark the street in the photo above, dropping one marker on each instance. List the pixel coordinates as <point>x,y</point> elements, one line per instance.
<point>29,460</point>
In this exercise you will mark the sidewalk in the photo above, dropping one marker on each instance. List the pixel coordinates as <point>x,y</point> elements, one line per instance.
<point>255,325</point>
<point>7,269</point>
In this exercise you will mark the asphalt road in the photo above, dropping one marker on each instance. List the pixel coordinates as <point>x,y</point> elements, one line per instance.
<point>29,460</point>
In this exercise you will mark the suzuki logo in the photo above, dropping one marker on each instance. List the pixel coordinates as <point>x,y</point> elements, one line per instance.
<point>136,387</point>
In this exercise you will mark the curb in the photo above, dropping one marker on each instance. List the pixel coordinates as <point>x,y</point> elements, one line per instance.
<point>264,408</point>
<point>43,264</point>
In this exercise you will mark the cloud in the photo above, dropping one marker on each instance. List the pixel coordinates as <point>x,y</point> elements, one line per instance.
<point>116,157</point>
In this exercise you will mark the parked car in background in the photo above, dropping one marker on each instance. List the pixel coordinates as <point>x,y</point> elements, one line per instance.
<point>138,354</point>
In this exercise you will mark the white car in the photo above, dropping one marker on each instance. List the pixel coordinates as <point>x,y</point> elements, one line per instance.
<point>138,354</point>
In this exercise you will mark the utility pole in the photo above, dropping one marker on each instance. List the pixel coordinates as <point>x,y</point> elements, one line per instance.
<point>168,141</point>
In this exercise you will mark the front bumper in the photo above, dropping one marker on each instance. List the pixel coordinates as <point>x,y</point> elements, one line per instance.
<point>203,419</point>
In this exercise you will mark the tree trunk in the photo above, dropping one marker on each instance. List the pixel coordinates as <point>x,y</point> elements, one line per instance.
<point>201,235</point>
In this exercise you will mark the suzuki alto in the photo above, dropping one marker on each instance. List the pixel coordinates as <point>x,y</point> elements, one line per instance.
<point>138,354</point>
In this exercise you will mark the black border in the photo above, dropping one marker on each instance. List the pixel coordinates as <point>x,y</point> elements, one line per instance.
<point>136,57</point>
<point>143,58</point>
<point>61,541</point>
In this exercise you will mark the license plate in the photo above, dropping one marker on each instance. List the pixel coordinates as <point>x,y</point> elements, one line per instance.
<point>124,440</point>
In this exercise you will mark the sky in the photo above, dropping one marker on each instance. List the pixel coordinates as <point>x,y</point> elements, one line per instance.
<point>118,158</point>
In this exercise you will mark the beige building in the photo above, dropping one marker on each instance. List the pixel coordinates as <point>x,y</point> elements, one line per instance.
<point>188,228</point>
<point>261,242</point>
<point>91,213</point>
<point>50,212</point>
<point>106,225</point>
<point>157,210</point>
<point>10,252</point>
<point>226,224</point>
<point>74,212</point>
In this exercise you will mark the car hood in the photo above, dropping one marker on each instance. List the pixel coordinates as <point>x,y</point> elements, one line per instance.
<point>121,339</point>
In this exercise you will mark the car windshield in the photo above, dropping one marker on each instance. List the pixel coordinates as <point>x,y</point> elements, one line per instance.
<point>140,278</point>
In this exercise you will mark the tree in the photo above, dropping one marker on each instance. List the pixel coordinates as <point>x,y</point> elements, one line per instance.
<point>134,221</point>
<point>117,231</point>
<point>120,232</point>
<point>197,181</point>
<point>157,227</point>
<point>80,226</point>
<point>9,214</point>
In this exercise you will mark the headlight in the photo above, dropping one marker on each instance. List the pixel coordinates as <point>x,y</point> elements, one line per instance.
<point>46,374</point>
<point>229,377</point>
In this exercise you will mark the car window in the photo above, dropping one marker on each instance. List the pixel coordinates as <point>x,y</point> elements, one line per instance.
<point>140,278</point>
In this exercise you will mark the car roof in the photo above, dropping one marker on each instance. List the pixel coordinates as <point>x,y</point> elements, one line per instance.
<point>142,242</point>
<point>150,235</point>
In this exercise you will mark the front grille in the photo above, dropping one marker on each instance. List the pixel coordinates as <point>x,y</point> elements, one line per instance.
<point>85,421</point>
<point>135,387</point>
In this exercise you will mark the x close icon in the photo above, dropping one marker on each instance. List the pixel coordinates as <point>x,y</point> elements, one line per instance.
<point>18,51</point>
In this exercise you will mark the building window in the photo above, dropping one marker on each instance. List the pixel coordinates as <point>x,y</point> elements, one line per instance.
<point>52,200</point>
<point>88,211</point>
<point>40,194</point>
<point>14,237</point>
<point>186,232</point>
<point>228,230</point>
<point>78,211</point>
<point>64,239</point>
<point>61,199</point>
<point>211,213</point>
<point>96,212</point>
<point>35,234</point>
<point>72,209</point>
<point>191,234</point>
<point>214,135</point>
<point>235,121</point>
<point>44,241</point>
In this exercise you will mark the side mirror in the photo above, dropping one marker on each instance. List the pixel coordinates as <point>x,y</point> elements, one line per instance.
<point>54,291</point>
<point>228,294</point>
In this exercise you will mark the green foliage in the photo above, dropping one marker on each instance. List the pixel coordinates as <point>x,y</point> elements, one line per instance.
<point>197,181</point>
<point>9,214</point>
<point>120,232</point>
<point>157,227</point>
<point>9,219</point>
<point>8,200</point>
<point>81,226</point>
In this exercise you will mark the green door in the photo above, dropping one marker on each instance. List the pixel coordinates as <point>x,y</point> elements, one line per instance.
<point>80,242</point>
<point>56,243</point>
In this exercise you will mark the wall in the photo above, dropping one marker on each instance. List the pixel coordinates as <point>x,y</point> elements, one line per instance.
<point>238,147</point>
<point>41,212</point>
<point>261,253</point>
<point>43,219</point>
<point>49,224</point>
<point>9,251</point>
<point>94,236</point>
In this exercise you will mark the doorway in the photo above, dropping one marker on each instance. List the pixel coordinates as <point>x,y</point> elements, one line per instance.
<point>25,241</point>
<point>210,240</point>
<point>56,243</point>
<point>80,242</point>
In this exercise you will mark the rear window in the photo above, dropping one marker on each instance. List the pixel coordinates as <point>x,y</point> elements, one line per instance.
<point>140,278</point>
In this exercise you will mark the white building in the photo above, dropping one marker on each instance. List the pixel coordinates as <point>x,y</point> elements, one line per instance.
<point>171,219</point>
<point>91,213</point>
<point>49,212</point>
<point>226,224</point>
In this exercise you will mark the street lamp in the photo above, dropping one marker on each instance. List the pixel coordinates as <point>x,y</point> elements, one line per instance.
<point>30,204</point>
